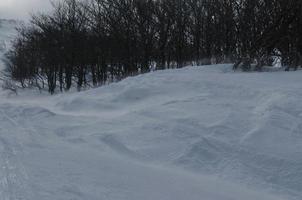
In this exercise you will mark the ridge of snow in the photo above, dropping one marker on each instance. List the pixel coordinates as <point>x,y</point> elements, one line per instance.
<point>193,133</point>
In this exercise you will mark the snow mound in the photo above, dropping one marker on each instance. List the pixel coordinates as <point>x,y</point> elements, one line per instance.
<point>193,133</point>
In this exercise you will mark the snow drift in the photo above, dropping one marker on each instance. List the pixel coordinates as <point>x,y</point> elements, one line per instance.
<point>193,133</point>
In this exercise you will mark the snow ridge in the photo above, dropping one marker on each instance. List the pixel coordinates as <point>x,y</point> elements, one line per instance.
<point>198,132</point>
<point>174,134</point>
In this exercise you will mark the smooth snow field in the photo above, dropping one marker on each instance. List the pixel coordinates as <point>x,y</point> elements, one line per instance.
<point>197,133</point>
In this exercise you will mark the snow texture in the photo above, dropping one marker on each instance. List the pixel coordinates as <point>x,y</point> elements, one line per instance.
<point>195,133</point>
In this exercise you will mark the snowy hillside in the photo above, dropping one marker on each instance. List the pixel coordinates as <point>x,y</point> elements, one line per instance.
<point>195,133</point>
<point>7,34</point>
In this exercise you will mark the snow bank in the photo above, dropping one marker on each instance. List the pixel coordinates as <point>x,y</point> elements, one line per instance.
<point>193,133</point>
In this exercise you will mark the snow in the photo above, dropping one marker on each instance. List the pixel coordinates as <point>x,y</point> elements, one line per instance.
<point>194,133</point>
<point>7,34</point>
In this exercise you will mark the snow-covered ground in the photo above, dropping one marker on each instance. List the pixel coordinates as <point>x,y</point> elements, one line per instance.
<point>194,133</point>
<point>189,134</point>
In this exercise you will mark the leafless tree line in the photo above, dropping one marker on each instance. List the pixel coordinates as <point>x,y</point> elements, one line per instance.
<point>86,43</point>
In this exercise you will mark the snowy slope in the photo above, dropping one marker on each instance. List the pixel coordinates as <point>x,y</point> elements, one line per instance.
<point>189,134</point>
<point>194,133</point>
<point>7,34</point>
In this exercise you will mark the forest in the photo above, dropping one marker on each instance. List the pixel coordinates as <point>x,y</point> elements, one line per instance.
<point>88,43</point>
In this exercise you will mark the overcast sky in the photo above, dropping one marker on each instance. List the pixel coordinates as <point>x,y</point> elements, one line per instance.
<point>20,9</point>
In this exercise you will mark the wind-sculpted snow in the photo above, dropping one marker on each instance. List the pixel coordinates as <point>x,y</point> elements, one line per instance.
<point>193,133</point>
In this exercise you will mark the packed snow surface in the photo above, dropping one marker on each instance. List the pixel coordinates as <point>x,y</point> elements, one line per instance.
<point>189,134</point>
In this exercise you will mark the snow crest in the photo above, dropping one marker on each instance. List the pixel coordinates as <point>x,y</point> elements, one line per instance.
<point>193,133</point>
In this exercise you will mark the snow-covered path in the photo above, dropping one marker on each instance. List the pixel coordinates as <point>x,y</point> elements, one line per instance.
<point>194,133</point>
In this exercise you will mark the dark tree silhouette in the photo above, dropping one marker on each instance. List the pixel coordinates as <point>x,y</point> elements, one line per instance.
<point>85,43</point>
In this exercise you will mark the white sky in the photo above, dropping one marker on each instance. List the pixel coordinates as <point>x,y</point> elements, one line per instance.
<point>20,9</point>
